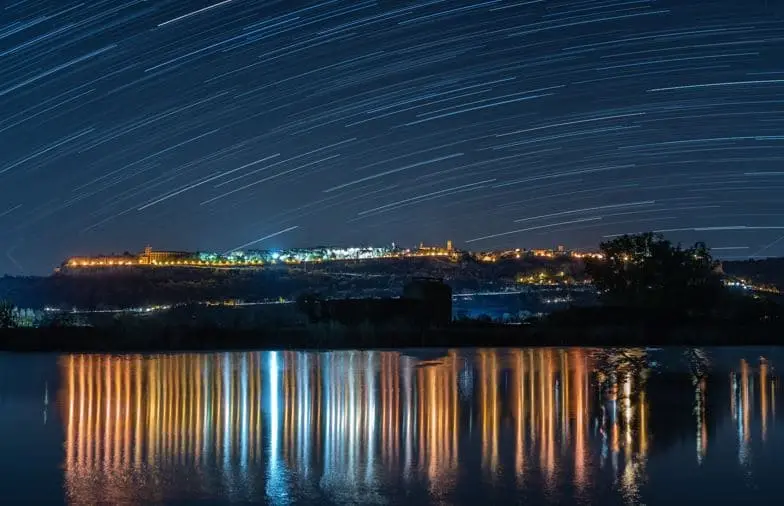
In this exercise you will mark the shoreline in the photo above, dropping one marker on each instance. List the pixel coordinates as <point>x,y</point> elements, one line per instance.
<point>189,339</point>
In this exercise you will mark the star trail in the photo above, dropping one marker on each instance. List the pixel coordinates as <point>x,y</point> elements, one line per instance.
<point>199,125</point>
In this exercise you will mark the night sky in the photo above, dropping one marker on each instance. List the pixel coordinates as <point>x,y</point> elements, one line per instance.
<point>209,125</point>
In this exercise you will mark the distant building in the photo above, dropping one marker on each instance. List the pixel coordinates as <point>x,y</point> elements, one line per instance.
<point>544,253</point>
<point>150,257</point>
<point>434,251</point>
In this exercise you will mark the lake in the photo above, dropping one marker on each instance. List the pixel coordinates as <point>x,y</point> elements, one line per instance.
<point>465,427</point>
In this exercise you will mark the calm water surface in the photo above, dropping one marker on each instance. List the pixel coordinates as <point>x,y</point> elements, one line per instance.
<point>516,426</point>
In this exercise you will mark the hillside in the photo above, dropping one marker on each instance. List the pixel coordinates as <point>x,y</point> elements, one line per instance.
<point>769,271</point>
<point>140,286</point>
<point>136,286</point>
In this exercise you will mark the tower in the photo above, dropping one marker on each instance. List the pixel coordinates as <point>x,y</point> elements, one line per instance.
<point>449,246</point>
<point>147,258</point>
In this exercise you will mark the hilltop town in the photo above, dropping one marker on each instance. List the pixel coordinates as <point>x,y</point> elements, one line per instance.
<point>297,256</point>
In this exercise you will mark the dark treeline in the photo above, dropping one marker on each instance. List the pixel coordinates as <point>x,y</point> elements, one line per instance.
<point>142,336</point>
<point>645,278</point>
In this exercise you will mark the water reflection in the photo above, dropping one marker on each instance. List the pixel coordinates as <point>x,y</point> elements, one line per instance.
<point>360,427</point>
<point>128,418</point>
<point>744,388</point>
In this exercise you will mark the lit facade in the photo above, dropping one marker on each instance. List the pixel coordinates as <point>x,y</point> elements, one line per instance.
<point>251,258</point>
<point>291,256</point>
<point>433,251</point>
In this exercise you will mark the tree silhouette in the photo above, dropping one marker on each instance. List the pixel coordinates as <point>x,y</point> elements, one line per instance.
<point>7,319</point>
<point>646,270</point>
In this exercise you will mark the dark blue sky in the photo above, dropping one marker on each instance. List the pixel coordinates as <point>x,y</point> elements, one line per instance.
<point>204,125</point>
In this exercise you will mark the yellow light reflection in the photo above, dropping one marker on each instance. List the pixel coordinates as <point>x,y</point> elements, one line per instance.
<point>438,415</point>
<point>744,392</point>
<point>340,420</point>
<point>118,410</point>
<point>488,400</point>
<point>519,405</point>
<point>699,413</point>
<point>764,397</point>
<point>580,413</point>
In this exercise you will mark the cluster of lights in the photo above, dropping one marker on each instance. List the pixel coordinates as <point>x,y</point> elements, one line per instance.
<point>430,252</point>
<point>596,256</point>
<point>303,255</point>
<point>557,300</point>
<point>100,262</point>
<point>517,254</point>
<point>159,263</point>
<point>145,309</point>
<point>541,253</point>
<point>737,284</point>
<point>239,258</point>
<point>258,258</point>
<point>543,278</point>
<point>746,285</point>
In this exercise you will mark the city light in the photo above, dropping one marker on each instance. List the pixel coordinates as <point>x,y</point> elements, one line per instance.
<point>297,256</point>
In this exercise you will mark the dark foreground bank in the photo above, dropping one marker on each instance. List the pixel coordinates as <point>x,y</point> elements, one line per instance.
<point>331,337</point>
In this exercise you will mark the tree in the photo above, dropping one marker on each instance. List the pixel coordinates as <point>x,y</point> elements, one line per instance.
<point>7,319</point>
<point>60,319</point>
<point>646,270</point>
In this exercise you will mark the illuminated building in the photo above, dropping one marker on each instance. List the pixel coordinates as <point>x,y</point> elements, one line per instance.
<point>545,253</point>
<point>434,251</point>
<point>578,254</point>
<point>151,257</point>
<point>234,259</point>
<point>487,257</point>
